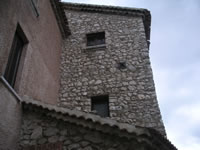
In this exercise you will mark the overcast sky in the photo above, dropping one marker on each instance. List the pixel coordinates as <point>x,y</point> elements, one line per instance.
<point>175,59</point>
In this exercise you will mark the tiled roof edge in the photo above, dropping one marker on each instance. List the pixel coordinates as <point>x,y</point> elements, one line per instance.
<point>161,139</point>
<point>61,18</point>
<point>128,11</point>
<point>99,123</point>
<point>96,7</point>
<point>83,115</point>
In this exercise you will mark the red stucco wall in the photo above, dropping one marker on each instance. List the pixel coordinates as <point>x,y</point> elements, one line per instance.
<point>38,74</point>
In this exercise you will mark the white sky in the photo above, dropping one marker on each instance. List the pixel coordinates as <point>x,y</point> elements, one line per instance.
<point>175,59</point>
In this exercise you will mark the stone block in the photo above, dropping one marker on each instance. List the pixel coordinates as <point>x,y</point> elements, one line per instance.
<point>37,133</point>
<point>50,131</point>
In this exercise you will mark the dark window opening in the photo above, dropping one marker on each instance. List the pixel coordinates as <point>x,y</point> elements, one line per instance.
<point>100,104</point>
<point>14,58</point>
<point>94,39</point>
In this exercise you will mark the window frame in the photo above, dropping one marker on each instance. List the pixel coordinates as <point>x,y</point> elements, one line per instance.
<point>15,56</point>
<point>98,38</point>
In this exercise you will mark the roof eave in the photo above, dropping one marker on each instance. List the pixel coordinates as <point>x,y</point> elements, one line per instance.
<point>98,123</point>
<point>61,18</point>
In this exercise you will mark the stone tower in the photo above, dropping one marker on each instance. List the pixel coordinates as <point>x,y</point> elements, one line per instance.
<point>105,66</point>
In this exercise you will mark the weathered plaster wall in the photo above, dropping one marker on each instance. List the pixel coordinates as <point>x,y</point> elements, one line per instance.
<point>91,72</point>
<point>38,74</point>
<point>10,119</point>
<point>38,129</point>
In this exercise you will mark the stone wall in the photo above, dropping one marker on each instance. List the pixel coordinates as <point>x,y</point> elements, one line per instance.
<point>90,72</point>
<point>38,129</point>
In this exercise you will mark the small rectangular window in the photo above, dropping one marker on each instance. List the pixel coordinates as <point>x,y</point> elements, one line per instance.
<point>100,104</point>
<point>14,58</point>
<point>94,39</point>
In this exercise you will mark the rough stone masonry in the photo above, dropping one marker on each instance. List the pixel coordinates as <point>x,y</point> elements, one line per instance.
<point>40,131</point>
<point>87,72</point>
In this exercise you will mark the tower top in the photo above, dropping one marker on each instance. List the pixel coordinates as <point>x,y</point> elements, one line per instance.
<point>118,10</point>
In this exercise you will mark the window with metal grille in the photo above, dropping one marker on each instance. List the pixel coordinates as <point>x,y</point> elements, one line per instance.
<point>14,59</point>
<point>100,104</point>
<point>94,39</point>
